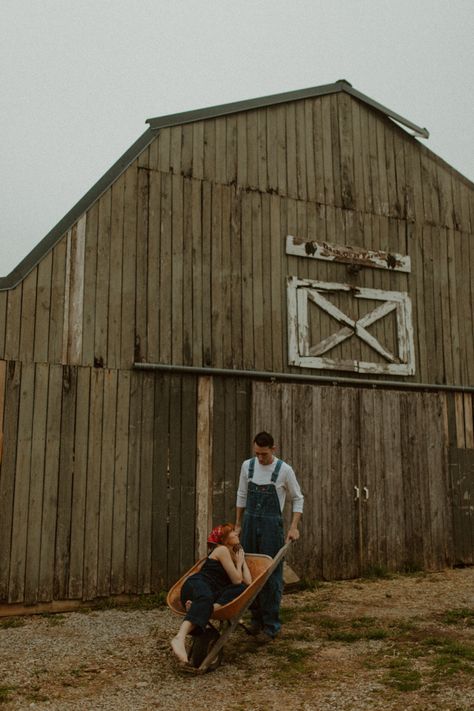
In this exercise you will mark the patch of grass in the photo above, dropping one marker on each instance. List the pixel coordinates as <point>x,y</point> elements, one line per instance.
<point>308,584</point>
<point>376,572</point>
<point>5,693</point>
<point>141,602</point>
<point>463,615</point>
<point>292,662</point>
<point>53,619</point>
<point>328,623</point>
<point>8,622</point>
<point>363,622</point>
<point>37,697</point>
<point>343,636</point>
<point>308,636</point>
<point>402,676</point>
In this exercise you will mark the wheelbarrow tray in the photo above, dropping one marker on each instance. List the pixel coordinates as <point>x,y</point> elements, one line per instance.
<point>260,566</point>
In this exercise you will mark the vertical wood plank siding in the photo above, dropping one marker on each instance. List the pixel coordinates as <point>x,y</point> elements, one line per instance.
<point>182,261</point>
<point>96,498</point>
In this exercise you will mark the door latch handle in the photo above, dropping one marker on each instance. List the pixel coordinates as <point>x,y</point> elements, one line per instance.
<point>366,492</point>
<point>357,493</point>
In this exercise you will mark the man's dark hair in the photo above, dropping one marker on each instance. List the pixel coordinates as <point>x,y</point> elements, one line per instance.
<point>264,439</point>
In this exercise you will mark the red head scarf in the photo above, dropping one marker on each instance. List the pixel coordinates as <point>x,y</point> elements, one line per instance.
<point>215,535</point>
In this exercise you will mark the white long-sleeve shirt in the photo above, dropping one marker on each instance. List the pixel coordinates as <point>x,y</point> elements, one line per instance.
<point>285,484</point>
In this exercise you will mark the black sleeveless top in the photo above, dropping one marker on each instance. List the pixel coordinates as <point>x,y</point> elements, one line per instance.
<point>214,574</point>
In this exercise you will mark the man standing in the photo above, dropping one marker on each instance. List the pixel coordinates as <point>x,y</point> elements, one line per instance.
<point>264,483</point>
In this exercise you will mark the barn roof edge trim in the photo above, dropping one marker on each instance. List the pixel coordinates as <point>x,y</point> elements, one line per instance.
<point>275,99</point>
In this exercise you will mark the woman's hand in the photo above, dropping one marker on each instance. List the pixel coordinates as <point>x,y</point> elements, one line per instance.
<point>239,558</point>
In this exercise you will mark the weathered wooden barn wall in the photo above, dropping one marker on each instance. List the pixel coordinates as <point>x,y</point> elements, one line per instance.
<point>110,476</point>
<point>183,258</point>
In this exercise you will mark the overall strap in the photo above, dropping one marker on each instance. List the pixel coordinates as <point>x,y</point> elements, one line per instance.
<point>251,468</point>
<point>276,471</point>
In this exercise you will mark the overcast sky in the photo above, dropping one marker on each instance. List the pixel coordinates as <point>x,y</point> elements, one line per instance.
<point>78,80</point>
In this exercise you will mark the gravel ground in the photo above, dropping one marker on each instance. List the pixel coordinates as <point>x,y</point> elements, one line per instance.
<point>119,659</point>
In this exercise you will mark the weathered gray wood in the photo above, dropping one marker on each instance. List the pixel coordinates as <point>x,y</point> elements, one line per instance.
<point>204,464</point>
<point>210,150</point>
<point>165,305</point>
<point>146,486</point>
<point>13,315</point>
<point>19,529</point>
<point>218,451</point>
<point>133,483</point>
<point>129,267</point>
<point>3,372</point>
<point>102,280</point>
<point>65,483</point>
<point>441,520</point>
<point>187,272</point>
<point>414,556</point>
<point>8,470</point>
<point>164,142</point>
<point>43,303</point>
<point>90,277</point>
<point>159,561</point>
<point>107,471</point>
<point>226,280</point>
<point>141,302</point>
<point>35,505</point>
<point>394,508</point>
<point>198,149</point>
<point>221,150</point>
<point>235,239</point>
<point>347,254</point>
<point>247,283</point>
<point>257,283</point>
<point>188,471</point>
<point>114,320</point>
<point>215,277</point>
<point>51,475</point>
<point>79,489</point>
<point>76,293</point>
<point>187,150</point>
<point>28,311</point>
<point>91,532</point>
<point>117,573</point>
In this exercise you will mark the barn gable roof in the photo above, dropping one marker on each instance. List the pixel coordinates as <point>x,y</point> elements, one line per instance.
<point>49,241</point>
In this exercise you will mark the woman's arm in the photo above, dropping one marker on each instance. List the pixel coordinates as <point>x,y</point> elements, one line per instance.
<point>246,574</point>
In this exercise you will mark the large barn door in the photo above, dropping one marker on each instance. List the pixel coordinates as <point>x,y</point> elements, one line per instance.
<point>372,466</point>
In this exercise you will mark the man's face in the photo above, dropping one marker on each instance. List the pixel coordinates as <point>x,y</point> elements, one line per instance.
<point>264,454</point>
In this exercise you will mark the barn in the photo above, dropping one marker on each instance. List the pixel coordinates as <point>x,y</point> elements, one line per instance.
<point>300,263</point>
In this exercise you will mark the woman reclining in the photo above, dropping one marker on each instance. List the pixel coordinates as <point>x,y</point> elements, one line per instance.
<point>223,577</point>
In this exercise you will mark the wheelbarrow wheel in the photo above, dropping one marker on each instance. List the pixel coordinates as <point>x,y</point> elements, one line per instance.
<point>202,645</point>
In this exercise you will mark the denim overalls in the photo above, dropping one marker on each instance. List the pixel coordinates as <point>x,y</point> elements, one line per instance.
<point>262,532</point>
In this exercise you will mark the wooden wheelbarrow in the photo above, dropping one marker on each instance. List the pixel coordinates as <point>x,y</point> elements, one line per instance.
<point>207,649</point>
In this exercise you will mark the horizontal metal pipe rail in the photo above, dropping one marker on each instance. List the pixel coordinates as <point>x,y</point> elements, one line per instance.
<point>300,378</point>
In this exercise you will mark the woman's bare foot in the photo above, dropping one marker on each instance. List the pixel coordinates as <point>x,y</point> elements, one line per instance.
<point>179,649</point>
